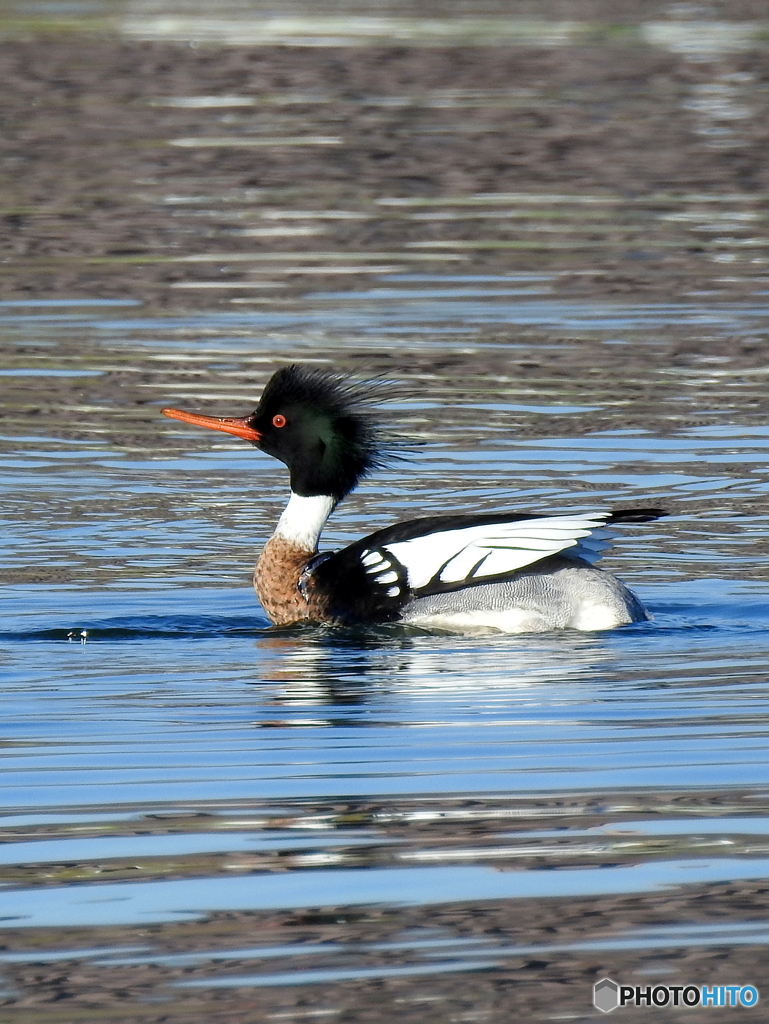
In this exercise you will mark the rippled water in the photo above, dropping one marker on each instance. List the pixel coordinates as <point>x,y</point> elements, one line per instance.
<point>166,753</point>
<point>204,815</point>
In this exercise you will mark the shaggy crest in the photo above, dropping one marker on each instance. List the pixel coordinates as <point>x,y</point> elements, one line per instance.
<point>331,438</point>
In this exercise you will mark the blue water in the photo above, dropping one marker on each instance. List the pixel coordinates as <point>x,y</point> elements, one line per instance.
<point>206,818</point>
<point>140,677</point>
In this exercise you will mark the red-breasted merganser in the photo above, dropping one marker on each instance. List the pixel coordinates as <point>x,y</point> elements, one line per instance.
<point>502,571</point>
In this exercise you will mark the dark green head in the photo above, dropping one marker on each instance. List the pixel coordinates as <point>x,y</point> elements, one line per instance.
<point>318,423</point>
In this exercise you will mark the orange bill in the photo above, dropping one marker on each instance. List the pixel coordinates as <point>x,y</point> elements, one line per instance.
<point>239,426</point>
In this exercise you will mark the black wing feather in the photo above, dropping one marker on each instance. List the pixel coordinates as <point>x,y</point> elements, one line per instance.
<point>636,515</point>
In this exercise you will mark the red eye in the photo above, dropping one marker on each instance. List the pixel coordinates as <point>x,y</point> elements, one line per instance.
<point>278,420</point>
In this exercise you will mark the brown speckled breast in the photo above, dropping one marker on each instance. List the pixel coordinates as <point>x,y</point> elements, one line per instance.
<point>276,582</point>
<point>276,579</point>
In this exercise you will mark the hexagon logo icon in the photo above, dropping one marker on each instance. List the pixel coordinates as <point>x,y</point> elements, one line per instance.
<point>606,995</point>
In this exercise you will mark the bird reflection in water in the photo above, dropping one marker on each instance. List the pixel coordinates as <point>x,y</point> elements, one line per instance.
<point>335,666</point>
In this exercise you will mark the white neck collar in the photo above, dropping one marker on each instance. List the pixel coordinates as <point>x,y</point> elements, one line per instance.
<point>304,518</point>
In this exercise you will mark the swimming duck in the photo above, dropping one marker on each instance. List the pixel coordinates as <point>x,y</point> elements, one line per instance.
<point>509,571</point>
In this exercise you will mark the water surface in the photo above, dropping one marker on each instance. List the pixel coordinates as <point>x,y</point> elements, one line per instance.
<point>205,814</point>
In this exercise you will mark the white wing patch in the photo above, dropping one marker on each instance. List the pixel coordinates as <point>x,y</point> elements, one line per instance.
<point>475,553</point>
<point>371,559</point>
<point>382,570</point>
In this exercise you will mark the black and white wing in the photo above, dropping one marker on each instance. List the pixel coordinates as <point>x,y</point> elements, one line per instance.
<point>359,584</point>
<point>376,576</point>
<point>455,558</point>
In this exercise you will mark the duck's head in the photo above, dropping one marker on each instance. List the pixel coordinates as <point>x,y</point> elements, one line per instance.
<point>318,423</point>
